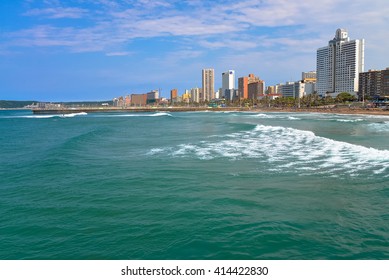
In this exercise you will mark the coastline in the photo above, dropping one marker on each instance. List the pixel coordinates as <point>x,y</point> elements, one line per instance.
<point>332,110</point>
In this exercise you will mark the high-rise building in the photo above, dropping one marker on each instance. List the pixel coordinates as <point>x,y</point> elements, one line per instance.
<point>256,89</point>
<point>195,94</point>
<point>228,84</point>
<point>173,95</point>
<point>339,64</point>
<point>243,85</point>
<point>208,78</point>
<point>373,83</point>
<point>309,77</point>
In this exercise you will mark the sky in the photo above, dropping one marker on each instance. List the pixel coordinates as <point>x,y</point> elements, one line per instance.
<point>86,50</point>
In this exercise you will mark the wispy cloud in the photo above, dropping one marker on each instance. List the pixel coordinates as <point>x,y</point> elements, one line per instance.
<point>57,12</point>
<point>106,25</point>
<point>118,53</point>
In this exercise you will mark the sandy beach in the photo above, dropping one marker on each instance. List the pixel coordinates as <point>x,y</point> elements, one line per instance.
<point>348,111</point>
<point>330,110</point>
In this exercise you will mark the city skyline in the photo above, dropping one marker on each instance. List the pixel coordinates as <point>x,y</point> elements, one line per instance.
<point>94,50</point>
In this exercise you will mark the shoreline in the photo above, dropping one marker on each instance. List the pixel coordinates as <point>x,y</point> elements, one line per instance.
<point>347,111</point>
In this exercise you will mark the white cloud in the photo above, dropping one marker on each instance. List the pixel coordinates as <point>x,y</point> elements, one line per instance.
<point>118,53</point>
<point>58,12</point>
<point>295,27</point>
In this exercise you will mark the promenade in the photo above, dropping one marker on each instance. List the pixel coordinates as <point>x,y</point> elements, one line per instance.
<point>333,110</point>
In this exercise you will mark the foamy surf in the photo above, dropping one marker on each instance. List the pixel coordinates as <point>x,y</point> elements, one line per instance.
<point>379,127</point>
<point>136,115</point>
<point>275,116</point>
<point>71,115</point>
<point>288,150</point>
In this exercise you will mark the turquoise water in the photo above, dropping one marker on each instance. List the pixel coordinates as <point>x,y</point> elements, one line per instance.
<point>194,186</point>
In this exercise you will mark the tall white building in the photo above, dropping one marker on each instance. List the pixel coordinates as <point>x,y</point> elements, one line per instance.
<point>208,77</point>
<point>195,94</point>
<point>228,84</point>
<point>339,64</point>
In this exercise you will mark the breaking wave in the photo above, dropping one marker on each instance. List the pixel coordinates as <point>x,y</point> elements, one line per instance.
<point>72,115</point>
<point>379,127</point>
<point>349,120</point>
<point>283,149</point>
<point>273,116</point>
<point>159,114</point>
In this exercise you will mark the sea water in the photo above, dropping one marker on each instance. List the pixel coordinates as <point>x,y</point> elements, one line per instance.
<point>195,185</point>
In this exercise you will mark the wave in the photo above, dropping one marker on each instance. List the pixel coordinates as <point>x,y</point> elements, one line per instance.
<point>273,116</point>
<point>293,118</point>
<point>159,114</point>
<point>380,127</point>
<point>264,116</point>
<point>72,115</point>
<point>288,150</point>
<point>349,120</point>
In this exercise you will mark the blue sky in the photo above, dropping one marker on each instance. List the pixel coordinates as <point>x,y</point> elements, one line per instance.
<point>74,50</point>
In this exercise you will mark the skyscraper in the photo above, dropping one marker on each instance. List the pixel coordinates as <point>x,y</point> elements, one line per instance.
<point>339,64</point>
<point>208,77</point>
<point>228,84</point>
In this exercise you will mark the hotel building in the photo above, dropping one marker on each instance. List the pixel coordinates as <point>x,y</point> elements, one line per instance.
<point>339,64</point>
<point>228,85</point>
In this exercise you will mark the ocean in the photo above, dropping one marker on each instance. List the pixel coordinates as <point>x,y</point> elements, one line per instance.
<point>193,185</point>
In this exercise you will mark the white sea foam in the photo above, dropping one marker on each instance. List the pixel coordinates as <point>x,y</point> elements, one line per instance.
<point>159,114</point>
<point>37,117</point>
<point>290,150</point>
<point>276,116</point>
<point>72,115</point>
<point>155,151</point>
<point>264,116</point>
<point>293,118</point>
<point>382,126</point>
<point>349,120</point>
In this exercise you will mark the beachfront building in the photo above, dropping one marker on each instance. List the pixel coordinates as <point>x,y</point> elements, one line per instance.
<point>228,85</point>
<point>208,81</point>
<point>296,89</point>
<point>173,95</point>
<point>338,65</point>
<point>195,94</point>
<point>309,77</point>
<point>287,89</point>
<point>373,83</point>
<point>152,96</point>
<point>138,99</point>
<point>127,100</point>
<point>272,89</point>
<point>255,89</point>
<point>243,85</point>
<point>186,96</point>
